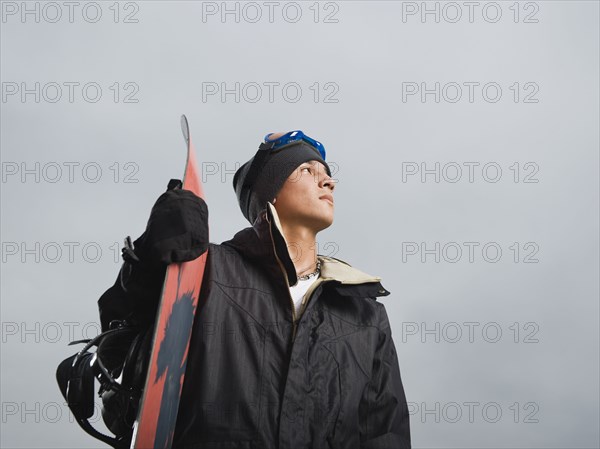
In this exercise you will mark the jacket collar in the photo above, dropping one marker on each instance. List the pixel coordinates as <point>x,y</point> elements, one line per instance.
<point>265,243</point>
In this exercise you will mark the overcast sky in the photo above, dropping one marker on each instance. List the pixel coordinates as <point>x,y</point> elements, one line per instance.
<point>465,140</point>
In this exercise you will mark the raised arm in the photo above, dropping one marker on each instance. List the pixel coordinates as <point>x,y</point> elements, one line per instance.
<point>177,231</point>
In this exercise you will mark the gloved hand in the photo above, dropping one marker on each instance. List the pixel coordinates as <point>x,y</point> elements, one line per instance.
<point>177,231</point>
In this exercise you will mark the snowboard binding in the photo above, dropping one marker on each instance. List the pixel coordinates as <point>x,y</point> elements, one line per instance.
<point>119,355</point>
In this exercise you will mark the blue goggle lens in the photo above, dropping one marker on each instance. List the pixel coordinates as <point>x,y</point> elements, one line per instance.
<point>294,136</point>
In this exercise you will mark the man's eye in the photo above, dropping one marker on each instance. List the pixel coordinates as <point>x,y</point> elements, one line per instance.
<point>306,168</point>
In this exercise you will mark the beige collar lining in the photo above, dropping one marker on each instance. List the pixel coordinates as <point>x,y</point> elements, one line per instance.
<point>341,271</point>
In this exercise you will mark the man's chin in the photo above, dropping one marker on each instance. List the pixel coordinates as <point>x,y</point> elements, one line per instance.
<point>324,224</point>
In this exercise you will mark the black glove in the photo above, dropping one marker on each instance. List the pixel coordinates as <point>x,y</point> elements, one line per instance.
<point>177,231</point>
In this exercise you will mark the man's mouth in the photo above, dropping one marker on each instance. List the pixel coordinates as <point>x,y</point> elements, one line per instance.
<point>327,197</point>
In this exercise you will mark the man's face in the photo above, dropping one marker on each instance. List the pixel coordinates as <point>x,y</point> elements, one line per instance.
<point>307,197</point>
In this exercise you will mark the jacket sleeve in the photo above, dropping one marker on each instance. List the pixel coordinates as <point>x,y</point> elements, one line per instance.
<point>135,294</point>
<point>177,231</point>
<point>384,418</point>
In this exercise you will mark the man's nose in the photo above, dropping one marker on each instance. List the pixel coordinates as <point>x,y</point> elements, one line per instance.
<point>327,181</point>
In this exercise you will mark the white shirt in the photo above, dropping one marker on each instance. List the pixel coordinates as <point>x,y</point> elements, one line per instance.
<point>298,291</point>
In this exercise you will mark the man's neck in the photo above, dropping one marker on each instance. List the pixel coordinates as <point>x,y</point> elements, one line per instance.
<point>302,248</point>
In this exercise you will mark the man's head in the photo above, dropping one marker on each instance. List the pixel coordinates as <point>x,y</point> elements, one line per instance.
<point>276,163</point>
<point>306,197</point>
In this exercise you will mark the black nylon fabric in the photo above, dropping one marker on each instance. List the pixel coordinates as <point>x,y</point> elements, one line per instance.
<point>250,384</point>
<point>177,230</point>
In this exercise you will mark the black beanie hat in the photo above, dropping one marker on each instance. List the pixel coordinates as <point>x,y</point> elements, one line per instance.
<point>270,172</point>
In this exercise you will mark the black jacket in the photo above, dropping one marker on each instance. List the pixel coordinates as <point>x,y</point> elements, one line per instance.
<point>256,378</point>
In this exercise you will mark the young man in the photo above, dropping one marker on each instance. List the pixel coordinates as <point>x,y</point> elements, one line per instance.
<point>289,349</point>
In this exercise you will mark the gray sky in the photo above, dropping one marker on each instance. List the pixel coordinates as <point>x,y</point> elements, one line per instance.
<point>476,130</point>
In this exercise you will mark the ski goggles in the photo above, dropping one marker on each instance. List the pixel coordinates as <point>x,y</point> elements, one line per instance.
<point>293,137</point>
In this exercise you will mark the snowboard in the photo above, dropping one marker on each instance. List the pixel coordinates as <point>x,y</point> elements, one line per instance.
<point>157,414</point>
